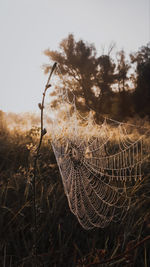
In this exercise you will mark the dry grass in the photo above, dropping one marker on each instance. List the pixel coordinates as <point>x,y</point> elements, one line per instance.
<point>61,240</point>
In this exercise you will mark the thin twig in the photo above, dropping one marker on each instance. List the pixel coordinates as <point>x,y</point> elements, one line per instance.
<point>43,132</point>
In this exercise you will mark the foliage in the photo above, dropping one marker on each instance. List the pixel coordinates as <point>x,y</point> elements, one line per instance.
<point>142,88</point>
<point>102,83</point>
<point>88,76</point>
<point>61,240</point>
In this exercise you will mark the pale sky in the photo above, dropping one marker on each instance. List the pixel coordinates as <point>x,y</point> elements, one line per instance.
<point>28,27</point>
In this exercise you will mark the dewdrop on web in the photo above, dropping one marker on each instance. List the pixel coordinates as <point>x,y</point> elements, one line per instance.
<point>98,164</point>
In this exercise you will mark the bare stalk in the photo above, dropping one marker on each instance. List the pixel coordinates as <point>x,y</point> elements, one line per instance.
<point>43,132</point>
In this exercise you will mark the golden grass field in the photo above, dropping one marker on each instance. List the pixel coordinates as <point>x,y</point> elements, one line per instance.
<point>61,241</point>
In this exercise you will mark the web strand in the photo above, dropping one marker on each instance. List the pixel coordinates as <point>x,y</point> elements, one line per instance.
<point>99,164</point>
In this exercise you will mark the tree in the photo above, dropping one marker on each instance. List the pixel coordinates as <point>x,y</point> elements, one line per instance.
<point>105,79</point>
<point>142,87</point>
<point>77,66</point>
<point>122,79</point>
<point>122,71</point>
<point>89,77</point>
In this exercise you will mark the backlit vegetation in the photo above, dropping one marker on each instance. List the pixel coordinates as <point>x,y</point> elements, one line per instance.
<point>61,241</point>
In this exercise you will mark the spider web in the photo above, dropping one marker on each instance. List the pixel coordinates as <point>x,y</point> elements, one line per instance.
<point>99,164</point>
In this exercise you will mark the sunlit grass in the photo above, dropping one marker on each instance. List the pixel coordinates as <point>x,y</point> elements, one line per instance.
<point>61,240</point>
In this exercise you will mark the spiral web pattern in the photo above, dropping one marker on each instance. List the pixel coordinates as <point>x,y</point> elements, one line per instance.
<point>98,165</point>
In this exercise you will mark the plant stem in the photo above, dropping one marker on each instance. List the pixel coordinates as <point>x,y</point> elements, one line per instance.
<point>43,132</point>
